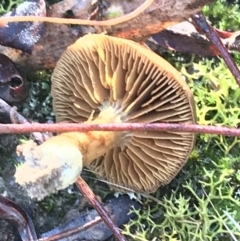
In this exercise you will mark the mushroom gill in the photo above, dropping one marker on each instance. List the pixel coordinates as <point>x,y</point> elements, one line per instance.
<point>100,70</point>
<point>102,79</point>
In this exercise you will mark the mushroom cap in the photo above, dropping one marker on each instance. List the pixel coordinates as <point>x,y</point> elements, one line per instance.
<point>98,70</point>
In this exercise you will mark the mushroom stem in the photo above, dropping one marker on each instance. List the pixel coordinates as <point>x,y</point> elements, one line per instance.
<point>91,144</point>
<point>57,162</point>
<point>94,144</point>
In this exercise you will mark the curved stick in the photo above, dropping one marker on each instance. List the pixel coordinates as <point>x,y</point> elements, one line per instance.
<point>110,22</point>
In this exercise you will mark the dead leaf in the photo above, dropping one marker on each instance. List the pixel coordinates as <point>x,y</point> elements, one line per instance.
<point>184,38</point>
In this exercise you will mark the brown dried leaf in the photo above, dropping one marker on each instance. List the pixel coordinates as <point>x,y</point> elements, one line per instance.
<point>183,37</point>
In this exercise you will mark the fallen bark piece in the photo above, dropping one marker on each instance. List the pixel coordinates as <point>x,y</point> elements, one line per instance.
<point>25,35</point>
<point>57,37</point>
<point>184,38</point>
<point>118,208</point>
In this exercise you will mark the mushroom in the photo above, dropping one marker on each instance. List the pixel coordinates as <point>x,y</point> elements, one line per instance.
<point>103,79</point>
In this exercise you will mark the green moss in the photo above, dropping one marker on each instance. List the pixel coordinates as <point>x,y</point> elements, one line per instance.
<point>114,12</point>
<point>38,106</point>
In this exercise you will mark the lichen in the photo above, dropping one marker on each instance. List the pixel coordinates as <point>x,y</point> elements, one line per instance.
<point>217,97</point>
<point>8,5</point>
<point>196,216</point>
<point>197,204</point>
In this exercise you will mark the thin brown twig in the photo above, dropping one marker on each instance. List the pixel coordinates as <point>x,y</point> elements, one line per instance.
<point>111,22</point>
<point>18,217</point>
<point>72,231</point>
<point>9,109</point>
<point>88,193</point>
<point>40,137</point>
<point>200,22</point>
<point>83,127</point>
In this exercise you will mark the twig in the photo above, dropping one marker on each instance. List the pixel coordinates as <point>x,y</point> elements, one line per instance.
<point>63,127</point>
<point>111,22</point>
<point>72,231</point>
<point>40,137</point>
<point>18,217</point>
<point>200,22</point>
<point>87,192</point>
<point>8,109</point>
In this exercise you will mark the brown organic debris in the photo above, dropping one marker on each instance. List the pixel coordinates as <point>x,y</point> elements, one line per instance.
<point>56,38</point>
<point>86,225</point>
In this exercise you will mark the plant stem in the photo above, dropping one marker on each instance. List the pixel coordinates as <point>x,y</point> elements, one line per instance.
<point>201,23</point>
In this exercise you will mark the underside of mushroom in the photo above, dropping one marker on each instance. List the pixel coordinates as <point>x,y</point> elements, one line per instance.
<point>102,79</point>
<point>98,72</point>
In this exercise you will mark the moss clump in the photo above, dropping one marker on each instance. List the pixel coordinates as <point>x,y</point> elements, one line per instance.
<point>38,106</point>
